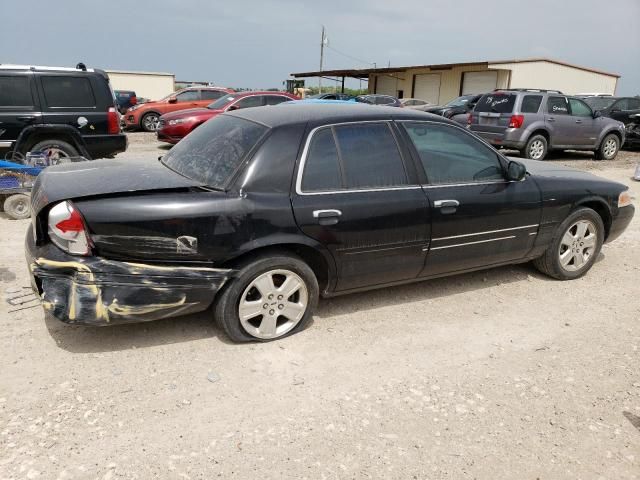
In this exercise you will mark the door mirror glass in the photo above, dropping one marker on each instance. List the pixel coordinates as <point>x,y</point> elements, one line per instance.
<point>516,171</point>
<point>597,114</point>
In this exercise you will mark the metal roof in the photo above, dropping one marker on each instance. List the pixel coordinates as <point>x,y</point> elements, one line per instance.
<point>364,72</point>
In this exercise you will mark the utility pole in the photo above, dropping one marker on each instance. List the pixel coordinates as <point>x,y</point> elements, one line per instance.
<point>321,60</point>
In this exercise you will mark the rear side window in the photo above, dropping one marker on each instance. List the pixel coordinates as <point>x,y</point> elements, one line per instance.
<point>322,168</point>
<point>531,103</point>
<point>353,156</point>
<point>496,103</point>
<point>70,92</point>
<point>213,152</point>
<point>211,94</point>
<point>370,156</point>
<point>15,91</point>
<point>557,106</point>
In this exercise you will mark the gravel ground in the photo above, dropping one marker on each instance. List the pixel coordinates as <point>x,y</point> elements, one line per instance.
<point>496,374</point>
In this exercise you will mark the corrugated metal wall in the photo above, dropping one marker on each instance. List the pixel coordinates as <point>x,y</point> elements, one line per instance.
<point>148,85</point>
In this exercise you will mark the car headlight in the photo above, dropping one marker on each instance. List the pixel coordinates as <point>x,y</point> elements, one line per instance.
<point>177,121</point>
<point>624,199</point>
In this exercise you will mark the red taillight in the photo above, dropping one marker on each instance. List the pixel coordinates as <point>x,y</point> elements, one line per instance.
<point>113,122</point>
<point>133,100</point>
<point>68,230</point>
<point>516,121</point>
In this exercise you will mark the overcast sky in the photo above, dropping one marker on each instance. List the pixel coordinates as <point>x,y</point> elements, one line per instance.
<point>256,44</point>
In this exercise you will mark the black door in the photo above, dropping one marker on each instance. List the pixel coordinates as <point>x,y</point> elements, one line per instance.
<point>18,105</point>
<point>478,218</point>
<point>354,195</point>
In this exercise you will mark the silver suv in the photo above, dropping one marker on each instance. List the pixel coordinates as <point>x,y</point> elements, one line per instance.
<point>536,121</point>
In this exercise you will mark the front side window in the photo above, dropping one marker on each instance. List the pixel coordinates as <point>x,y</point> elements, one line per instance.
<point>211,94</point>
<point>579,108</point>
<point>276,99</point>
<point>353,156</point>
<point>634,103</point>
<point>15,91</point>
<point>449,155</point>
<point>213,152</point>
<point>621,105</point>
<point>62,91</point>
<point>531,103</point>
<point>557,106</point>
<point>248,102</point>
<point>188,96</point>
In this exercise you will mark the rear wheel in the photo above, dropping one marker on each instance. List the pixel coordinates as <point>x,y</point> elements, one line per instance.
<point>270,297</point>
<point>575,246</point>
<point>18,206</point>
<point>536,148</point>
<point>55,150</point>
<point>150,122</point>
<point>608,148</point>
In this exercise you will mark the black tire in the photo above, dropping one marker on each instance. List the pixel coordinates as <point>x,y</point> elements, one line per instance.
<point>53,144</point>
<point>533,146</point>
<point>550,263</point>
<point>609,147</point>
<point>226,306</point>
<point>147,123</point>
<point>18,206</point>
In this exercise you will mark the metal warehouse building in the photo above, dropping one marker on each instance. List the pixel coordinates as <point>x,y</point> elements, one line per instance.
<point>151,85</point>
<point>439,84</point>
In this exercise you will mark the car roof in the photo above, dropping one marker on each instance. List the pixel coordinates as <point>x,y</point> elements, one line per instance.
<point>330,112</point>
<point>259,92</point>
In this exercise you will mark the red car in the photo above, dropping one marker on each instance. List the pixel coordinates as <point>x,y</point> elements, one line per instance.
<point>174,126</point>
<point>145,116</point>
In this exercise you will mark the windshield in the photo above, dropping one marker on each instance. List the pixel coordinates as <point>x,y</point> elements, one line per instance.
<point>459,102</point>
<point>222,102</point>
<point>214,151</point>
<point>599,103</point>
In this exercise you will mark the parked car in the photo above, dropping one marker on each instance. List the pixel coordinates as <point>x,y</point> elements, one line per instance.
<point>174,126</point>
<point>384,100</point>
<point>331,96</point>
<point>536,121</point>
<point>415,104</point>
<point>146,116</point>
<point>619,108</point>
<point>457,109</point>
<point>261,210</point>
<point>63,112</point>
<point>633,131</point>
<point>125,100</point>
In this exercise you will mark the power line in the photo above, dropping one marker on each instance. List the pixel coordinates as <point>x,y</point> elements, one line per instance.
<point>349,56</point>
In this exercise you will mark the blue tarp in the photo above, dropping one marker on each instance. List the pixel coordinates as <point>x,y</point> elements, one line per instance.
<point>19,168</point>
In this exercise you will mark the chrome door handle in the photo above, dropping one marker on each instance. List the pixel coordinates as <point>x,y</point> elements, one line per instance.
<point>446,203</point>
<point>551,119</point>
<point>578,121</point>
<point>326,213</point>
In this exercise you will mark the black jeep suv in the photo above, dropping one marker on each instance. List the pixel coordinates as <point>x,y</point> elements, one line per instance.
<point>64,112</point>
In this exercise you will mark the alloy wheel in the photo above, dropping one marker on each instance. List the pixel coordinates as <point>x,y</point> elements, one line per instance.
<point>273,304</point>
<point>609,148</point>
<point>536,149</point>
<point>151,122</point>
<point>578,245</point>
<point>54,154</point>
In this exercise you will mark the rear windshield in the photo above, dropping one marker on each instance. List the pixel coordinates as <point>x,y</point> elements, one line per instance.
<point>496,102</point>
<point>599,103</point>
<point>213,152</point>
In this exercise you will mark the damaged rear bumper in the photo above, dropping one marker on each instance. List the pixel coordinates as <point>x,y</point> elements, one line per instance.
<point>97,291</point>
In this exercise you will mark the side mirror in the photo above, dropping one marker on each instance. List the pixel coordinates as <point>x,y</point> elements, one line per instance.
<point>173,99</point>
<point>516,171</point>
<point>232,108</point>
<point>597,114</point>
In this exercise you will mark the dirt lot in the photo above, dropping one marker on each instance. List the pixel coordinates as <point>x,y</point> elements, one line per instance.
<point>496,374</point>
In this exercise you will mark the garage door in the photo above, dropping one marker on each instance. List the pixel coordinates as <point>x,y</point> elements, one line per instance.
<point>427,87</point>
<point>479,82</point>
<point>386,85</point>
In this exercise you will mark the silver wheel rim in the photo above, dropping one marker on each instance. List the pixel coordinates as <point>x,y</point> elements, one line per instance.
<point>21,207</point>
<point>536,149</point>
<point>54,154</point>
<point>609,148</point>
<point>151,122</point>
<point>273,304</point>
<point>577,245</point>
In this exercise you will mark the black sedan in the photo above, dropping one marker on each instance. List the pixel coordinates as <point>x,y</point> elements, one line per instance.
<point>261,210</point>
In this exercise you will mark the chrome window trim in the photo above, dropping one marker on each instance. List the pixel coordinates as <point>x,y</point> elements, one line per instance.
<point>488,231</point>
<point>305,153</point>
<point>473,243</point>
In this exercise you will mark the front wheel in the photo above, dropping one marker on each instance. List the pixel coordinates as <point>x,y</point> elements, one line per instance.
<point>150,122</point>
<point>536,148</point>
<point>269,298</point>
<point>608,148</point>
<point>575,246</point>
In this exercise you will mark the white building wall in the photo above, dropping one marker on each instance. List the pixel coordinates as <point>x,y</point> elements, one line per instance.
<point>153,86</point>
<point>547,75</point>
